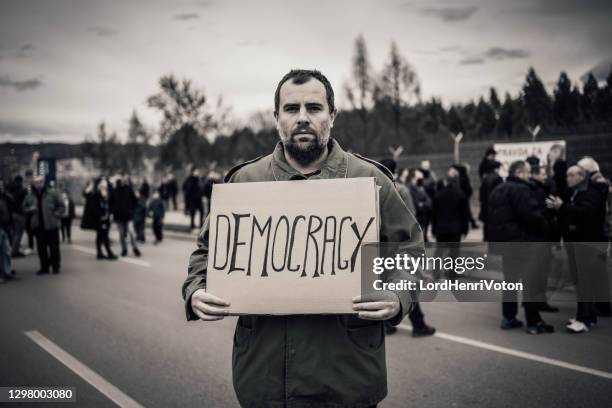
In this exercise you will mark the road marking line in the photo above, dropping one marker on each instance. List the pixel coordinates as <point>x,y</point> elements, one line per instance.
<point>517,353</point>
<point>128,260</point>
<point>80,369</point>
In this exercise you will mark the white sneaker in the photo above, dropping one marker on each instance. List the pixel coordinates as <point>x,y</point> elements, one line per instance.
<point>571,320</point>
<point>577,327</point>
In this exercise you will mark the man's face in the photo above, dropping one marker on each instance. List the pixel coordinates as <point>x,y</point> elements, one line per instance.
<point>574,176</point>
<point>39,182</point>
<point>304,120</point>
<point>525,172</point>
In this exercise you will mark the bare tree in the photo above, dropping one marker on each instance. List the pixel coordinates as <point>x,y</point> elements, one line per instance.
<point>181,103</point>
<point>399,84</point>
<point>359,90</point>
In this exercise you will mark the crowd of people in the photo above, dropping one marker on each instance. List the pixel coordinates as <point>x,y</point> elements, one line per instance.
<point>537,208</point>
<point>30,205</point>
<point>550,203</point>
<point>38,208</point>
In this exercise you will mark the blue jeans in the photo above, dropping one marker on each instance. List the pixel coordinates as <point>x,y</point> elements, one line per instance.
<point>125,230</point>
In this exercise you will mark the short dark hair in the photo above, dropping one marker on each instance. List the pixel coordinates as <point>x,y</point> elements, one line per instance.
<point>301,76</point>
<point>516,167</point>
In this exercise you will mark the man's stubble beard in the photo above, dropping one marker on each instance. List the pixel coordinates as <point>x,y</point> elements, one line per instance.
<point>308,154</point>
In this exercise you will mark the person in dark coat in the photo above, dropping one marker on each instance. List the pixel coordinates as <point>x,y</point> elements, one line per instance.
<point>6,201</point>
<point>489,181</point>
<point>157,211</point>
<point>193,197</point>
<point>515,223</point>
<point>487,161</point>
<point>123,203</point>
<point>97,216</point>
<point>172,186</point>
<point>450,215</point>
<point>542,188</point>
<point>145,189</point>
<point>466,187</point>
<point>416,315</point>
<point>18,192</point>
<point>422,201</point>
<point>45,207</point>
<point>582,216</point>
<point>140,218</point>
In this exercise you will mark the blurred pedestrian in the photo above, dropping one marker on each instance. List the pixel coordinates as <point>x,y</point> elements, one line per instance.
<point>45,207</point>
<point>67,217</point>
<point>97,215</point>
<point>164,191</point>
<point>140,218</point>
<point>212,179</point>
<point>514,223</point>
<point>430,181</point>
<point>123,204</point>
<point>423,204</point>
<point>487,161</point>
<point>6,201</point>
<point>489,181</point>
<point>582,217</point>
<point>416,316</point>
<point>145,189</point>
<point>450,215</point>
<point>542,187</point>
<point>193,197</point>
<point>466,187</point>
<point>172,190</point>
<point>18,193</point>
<point>157,211</point>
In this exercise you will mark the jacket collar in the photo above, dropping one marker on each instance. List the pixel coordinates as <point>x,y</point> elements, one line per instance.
<point>519,180</point>
<point>335,166</point>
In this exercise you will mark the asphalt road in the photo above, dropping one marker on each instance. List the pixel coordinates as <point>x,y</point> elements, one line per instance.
<point>124,320</point>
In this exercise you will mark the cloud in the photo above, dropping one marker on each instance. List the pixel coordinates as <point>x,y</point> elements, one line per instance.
<point>186,16</point>
<point>499,53</point>
<point>450,14</point>
<point>102,31</point>
<point>472,61</point>
<point>25,85</point>
<point>24,50</point>
<point>495,54</point>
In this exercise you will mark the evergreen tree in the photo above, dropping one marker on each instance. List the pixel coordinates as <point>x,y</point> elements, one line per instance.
<point>505,124</point>
<point>494,101</point>
<point>537,103</point>
<point>485,119</point>
<point>564,108</point>
<point>455,123</point>
<point>589,99</point>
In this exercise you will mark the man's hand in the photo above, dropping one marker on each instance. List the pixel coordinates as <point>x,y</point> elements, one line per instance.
<point>379,310</point>
<point>554,202</point>
<point>208,307</point>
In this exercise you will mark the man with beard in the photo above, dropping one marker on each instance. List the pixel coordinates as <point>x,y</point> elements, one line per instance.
<point>309,360</point>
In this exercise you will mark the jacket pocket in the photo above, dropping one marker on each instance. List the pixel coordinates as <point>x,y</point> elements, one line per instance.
<point>368,337</point>
<point>244,329</point>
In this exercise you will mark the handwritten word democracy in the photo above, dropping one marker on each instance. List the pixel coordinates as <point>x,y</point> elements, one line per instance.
<point>288,243</point>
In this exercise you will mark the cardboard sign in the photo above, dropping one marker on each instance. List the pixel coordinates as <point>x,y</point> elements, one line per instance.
<point>290,247</point>
<point>548,152</point>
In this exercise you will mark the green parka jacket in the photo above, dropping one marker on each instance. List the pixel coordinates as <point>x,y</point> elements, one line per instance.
<point>52,209</point>
<point>312,360</point>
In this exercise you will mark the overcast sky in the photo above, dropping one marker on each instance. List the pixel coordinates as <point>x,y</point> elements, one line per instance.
<point>66,65</point>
